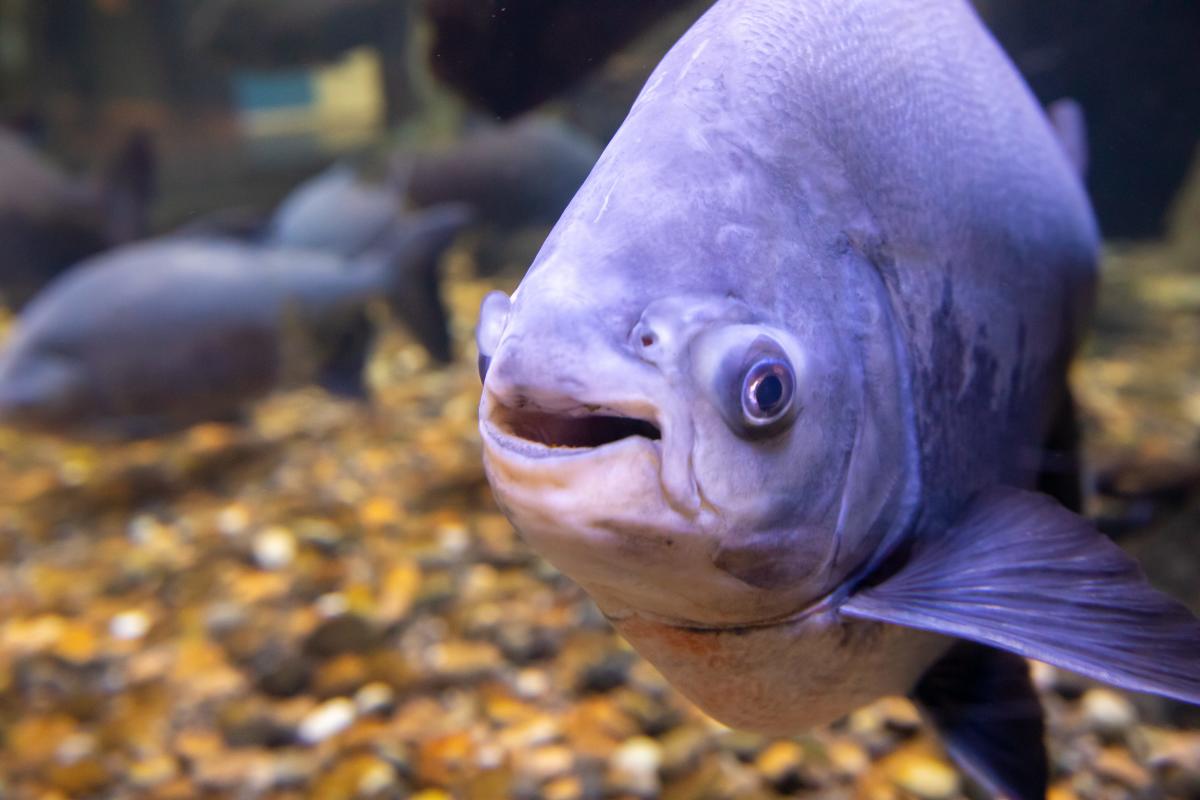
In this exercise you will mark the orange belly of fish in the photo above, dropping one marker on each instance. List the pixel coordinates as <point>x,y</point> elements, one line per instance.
<point>786,678</point>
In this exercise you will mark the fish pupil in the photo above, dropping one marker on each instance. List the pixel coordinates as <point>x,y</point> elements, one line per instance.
<point>769,393</point>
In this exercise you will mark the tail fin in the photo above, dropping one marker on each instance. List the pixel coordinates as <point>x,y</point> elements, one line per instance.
<point>1068,121</point>
<point>412,254</point>
<point>128,186</point>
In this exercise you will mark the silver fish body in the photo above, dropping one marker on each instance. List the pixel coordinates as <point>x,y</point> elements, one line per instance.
<point>154,337</point>
<point>801,337</point>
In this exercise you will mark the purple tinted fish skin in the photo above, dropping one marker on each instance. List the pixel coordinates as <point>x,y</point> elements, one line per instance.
<point>776,387</point>
<point>154,337</point>
<point>49,222</point>
<point>336,211</point>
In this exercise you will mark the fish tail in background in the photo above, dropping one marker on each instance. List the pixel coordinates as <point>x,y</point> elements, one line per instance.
<point>127,188</point>
<point>983,704</point>
<point>1021,573</point>
<point>409,257</point>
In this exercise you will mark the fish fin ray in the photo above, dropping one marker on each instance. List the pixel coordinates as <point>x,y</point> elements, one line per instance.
<point>1023,574</point>
<point>984,706</point>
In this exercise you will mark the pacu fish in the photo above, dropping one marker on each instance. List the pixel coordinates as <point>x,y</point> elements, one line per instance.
<point>49,221</point>
<point>154,337</point>
<point>776,390</point>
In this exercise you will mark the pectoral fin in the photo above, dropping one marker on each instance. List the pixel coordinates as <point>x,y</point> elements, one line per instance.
<point>1023,574</point>
<point>984,706</point>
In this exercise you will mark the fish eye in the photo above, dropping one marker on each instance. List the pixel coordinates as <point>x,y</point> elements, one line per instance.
<point>751,378</point>
<point>768,391</point>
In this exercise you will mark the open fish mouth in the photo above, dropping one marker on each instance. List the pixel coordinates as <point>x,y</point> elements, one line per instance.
<point>532,430</point>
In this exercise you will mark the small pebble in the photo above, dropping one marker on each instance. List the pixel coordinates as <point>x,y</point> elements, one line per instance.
<point>153,771</point>
<point>274,548</point>
<point>233,520</point>
<point>377,778</point>
<point>375,698</point>
<point>465,660</point>
<point>342,633</point>
<point>332,604</point>
<point>568,787</point>
<point>453,539</point>
<point>1108,713</point>
<point>900,714</point>
<point>1044,676</point>
<point>531,684</point>
<point>780,763</point>
<point>848,757</point>
<point>926,777</point>
<point>682,749</point>
<point>432,794</point>
<point>326,720</point>
<point>129,625</point>
<point>544,763</point>
<point>634,766</point>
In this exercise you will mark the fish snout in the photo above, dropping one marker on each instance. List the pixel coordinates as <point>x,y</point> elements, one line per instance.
<point>493,319</point>
<point>40,390</point>
<point>555,385</point>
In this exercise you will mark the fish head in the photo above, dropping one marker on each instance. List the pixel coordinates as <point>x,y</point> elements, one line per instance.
<point>683,463</point>
<point>40,390</point>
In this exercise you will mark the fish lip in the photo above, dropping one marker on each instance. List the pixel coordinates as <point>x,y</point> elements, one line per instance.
<point>501,422</point>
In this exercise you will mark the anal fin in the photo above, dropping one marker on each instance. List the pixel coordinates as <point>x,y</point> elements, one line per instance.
<point>983,704</point>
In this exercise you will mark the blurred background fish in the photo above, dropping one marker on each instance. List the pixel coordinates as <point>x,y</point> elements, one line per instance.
<point>153,337</point>
<point>246,544</point>
<point>49,221</point>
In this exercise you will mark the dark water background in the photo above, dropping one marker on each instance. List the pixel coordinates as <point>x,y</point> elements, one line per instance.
<point>320,599</point>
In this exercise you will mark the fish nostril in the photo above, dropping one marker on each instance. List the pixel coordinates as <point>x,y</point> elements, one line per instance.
<point>644,335</point>
<point>484,363</point>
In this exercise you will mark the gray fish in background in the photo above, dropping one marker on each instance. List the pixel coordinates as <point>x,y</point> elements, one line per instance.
<point>154,337</point>
<point>336,211</point>
<point>517,177</point>
<point>48,221</point>
<point>776,390</point>
<point>518,174</point>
